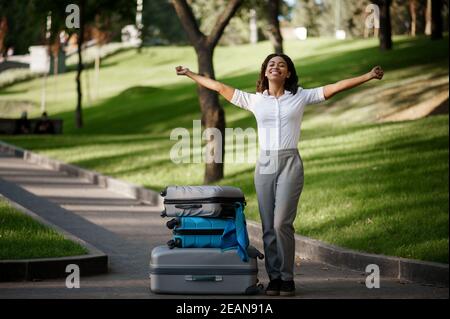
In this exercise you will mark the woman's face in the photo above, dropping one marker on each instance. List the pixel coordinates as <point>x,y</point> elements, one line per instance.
<point>277,69</point>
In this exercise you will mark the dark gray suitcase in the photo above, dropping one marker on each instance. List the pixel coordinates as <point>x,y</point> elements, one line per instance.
<point>201,201</point>
<point>203,271</point>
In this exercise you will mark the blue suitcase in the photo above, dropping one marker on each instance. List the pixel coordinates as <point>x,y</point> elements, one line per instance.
<point>197,232</point>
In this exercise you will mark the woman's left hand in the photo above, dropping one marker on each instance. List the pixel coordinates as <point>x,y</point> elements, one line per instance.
<point>377,73</point>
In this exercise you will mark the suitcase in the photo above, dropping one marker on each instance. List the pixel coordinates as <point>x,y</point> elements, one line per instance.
<point>197,232</point>
<point>203,271</point>
<point>201,201</point>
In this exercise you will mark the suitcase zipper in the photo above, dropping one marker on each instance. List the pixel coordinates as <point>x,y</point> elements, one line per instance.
<point>211,200</point>
<point>198,231</point>
<point>155,270</point>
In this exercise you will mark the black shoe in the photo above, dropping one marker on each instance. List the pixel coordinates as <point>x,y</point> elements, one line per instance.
<point>287,288</point>
<point>273,289</point>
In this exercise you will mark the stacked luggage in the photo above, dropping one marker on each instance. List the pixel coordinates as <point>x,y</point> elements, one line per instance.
<point>209,252</point>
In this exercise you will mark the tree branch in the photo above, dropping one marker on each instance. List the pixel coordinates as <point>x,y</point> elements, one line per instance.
<point>189,22</point>
<point>222,22</point>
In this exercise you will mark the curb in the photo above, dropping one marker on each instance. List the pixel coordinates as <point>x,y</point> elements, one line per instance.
<point>393,267</point>
<point>94,263</point>
<point>137,192</point>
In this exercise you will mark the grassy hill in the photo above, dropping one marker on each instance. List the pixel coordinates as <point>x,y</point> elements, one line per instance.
<point>370,185</point>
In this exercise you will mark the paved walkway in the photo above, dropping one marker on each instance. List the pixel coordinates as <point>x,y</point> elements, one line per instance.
<point>127,231</point>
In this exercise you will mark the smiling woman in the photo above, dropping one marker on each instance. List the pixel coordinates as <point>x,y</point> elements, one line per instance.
<point>274,67</point>
<point>278,107</point>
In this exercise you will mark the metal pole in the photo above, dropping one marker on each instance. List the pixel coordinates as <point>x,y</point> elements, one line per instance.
<point>253,27</point>
<point>139,25</point>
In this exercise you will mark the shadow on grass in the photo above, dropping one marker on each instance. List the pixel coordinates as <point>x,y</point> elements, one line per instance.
<point>69,141</point>
<point>396,229</point>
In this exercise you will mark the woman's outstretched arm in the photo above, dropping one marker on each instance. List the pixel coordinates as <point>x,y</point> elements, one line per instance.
<point>223,89</point>
<point>333,89</point>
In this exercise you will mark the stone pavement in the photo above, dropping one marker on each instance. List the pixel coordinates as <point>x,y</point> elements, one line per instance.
<point>127,230</point>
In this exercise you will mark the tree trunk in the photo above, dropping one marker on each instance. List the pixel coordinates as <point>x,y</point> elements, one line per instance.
<point>3,32</point>
<point>428,18</point>
<point>385,25</point>
<point>213,116</point>
<point>97,70</point>
<point>273,7</point>
<point>413,12</point>
<point>436,19</point>
<point>80,40</point>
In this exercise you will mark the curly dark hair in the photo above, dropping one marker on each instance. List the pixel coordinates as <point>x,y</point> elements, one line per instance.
<point>290,84</point>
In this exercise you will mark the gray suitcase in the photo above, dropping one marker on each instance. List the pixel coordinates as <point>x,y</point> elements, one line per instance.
<point>201,201</point>
<point>203,271</point>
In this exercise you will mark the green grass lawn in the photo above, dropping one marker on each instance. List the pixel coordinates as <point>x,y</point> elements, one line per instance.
<point>22,237</point>
<point>371,186</point>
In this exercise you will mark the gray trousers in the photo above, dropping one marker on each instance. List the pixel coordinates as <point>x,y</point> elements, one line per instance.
<point>279,183</point>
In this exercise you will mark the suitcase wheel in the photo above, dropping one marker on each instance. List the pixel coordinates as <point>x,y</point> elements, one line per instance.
<point>174,243</point>
<point>171,224</point>
<point>171,244</point>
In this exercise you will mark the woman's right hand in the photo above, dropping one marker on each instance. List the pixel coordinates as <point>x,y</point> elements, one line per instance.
<point>181,70</point>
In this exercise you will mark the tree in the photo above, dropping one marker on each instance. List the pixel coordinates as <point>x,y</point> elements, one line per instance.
<point>80,40</point>
<point>413,12</point>
<point>428,18</point>
<point>25,21</point>
<point>310,14</point>
<point>161,24</point>
<point>212,113</point>
<point>3,32</point>
<point>237,30</point>
<point>385,24</point>
<point>89,11</point>
<point>436,19</point>
<point>273,11</point>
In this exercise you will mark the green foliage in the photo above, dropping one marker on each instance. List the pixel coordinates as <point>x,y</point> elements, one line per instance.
<point>320,16</point>
<point>27,19</point>
<point>161,24</point>
<point>207,13</point>
<point>26,24</point>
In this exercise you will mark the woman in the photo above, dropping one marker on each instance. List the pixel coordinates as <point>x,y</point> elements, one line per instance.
<point>278,108</point>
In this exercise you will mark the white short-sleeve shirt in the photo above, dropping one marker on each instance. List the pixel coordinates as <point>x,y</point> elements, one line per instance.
<point>278,119</point>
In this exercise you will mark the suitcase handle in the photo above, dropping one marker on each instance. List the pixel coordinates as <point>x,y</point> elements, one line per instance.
<point>230,205</point>
<point>203,278</point>
<point>233,205</point>
<point>187,206</point>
